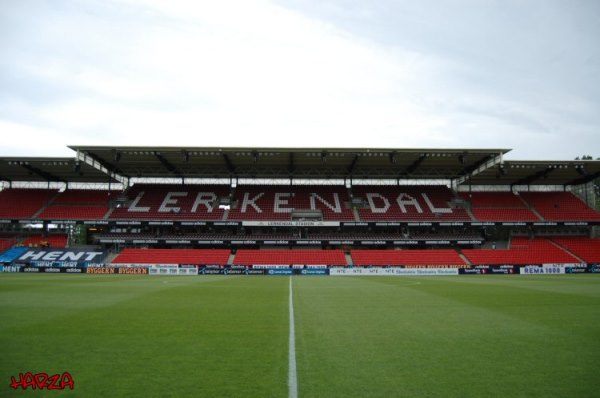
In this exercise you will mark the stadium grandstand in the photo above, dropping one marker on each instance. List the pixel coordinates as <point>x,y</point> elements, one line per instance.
<point>298,207</point>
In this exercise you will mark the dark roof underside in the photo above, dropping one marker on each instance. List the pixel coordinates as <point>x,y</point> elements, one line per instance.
<point>178,162</point>
<point>29,169</point>
<point>103,164</point>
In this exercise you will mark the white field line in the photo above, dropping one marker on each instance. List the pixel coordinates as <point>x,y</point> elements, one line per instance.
<point>292,376</point>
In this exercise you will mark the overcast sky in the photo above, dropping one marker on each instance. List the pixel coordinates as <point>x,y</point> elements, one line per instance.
<point>312,73</point>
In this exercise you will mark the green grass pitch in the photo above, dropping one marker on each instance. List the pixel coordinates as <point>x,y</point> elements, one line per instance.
<point>227,336</point>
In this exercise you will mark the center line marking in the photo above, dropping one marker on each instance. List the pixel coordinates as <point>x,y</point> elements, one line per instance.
<point>292,376</point>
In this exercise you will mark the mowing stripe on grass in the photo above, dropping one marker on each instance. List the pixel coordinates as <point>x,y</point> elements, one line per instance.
<point>292,376</point>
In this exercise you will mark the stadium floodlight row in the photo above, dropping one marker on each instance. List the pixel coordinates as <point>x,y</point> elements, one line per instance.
<point>328,206</point>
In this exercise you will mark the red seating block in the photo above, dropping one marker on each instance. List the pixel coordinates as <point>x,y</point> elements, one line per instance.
<point>523,251</point>
<point>23,203</point>
<point>289,257</point>
<point>588,249</point>
<point>560,206</point>
<point>434,257</point>
<point>173,256</point>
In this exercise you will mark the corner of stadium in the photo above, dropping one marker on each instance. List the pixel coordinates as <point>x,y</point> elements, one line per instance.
<point>208,210</point>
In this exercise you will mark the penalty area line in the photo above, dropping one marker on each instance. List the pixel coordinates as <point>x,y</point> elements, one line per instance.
<point>292,375</point>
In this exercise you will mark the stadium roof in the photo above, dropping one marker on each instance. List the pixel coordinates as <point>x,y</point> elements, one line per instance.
<point>103,164</point>
<point>30,169</point>
<point>534,172</point>
<point>297,163</point>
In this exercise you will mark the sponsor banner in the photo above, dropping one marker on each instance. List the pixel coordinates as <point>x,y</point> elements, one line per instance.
<point>206,271</point>
<point>594,268</point>
<point>49,257</point>
<point>291,223</point>
<point>472,271</point>
<point>341,242</point>
<point>210,242</point>
<point>504,270</point>
<point>166,270</point>
<point>128,223</point>
<point>489,270</point>
<point>95,222</point>
<point>188,271</point>
<point>277,271</point>
<point>101,270</point>
<point>267,266</point>
<point>73,270</point>
<point>545,270</point>
<point>313,271</point>
<point>111,240</point>
<point>163,270</point>
<point>193,223</point>
<point>51,270</point>
<point>576,270</point>
<point>308,242</point>
<point>133,271</point>
<point>235,272</point>
<point>406,242</point>
<point>392,271</point>
<point>256,272</point>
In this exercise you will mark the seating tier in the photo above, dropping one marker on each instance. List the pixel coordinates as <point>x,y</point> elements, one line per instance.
<point>173,256</point>
<point>433,257</point>
<point>23,203</point>
<point>560,206</point>
<point>588,249</point>
<point>523,251</point>
<point>289,257</point>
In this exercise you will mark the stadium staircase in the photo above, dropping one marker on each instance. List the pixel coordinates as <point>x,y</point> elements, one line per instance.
<point>349,259</point>
<point>464,258</point>
<point>110,257</point>
<point>356,215</point>
<point>470,213</point>
<point>231,259</point>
